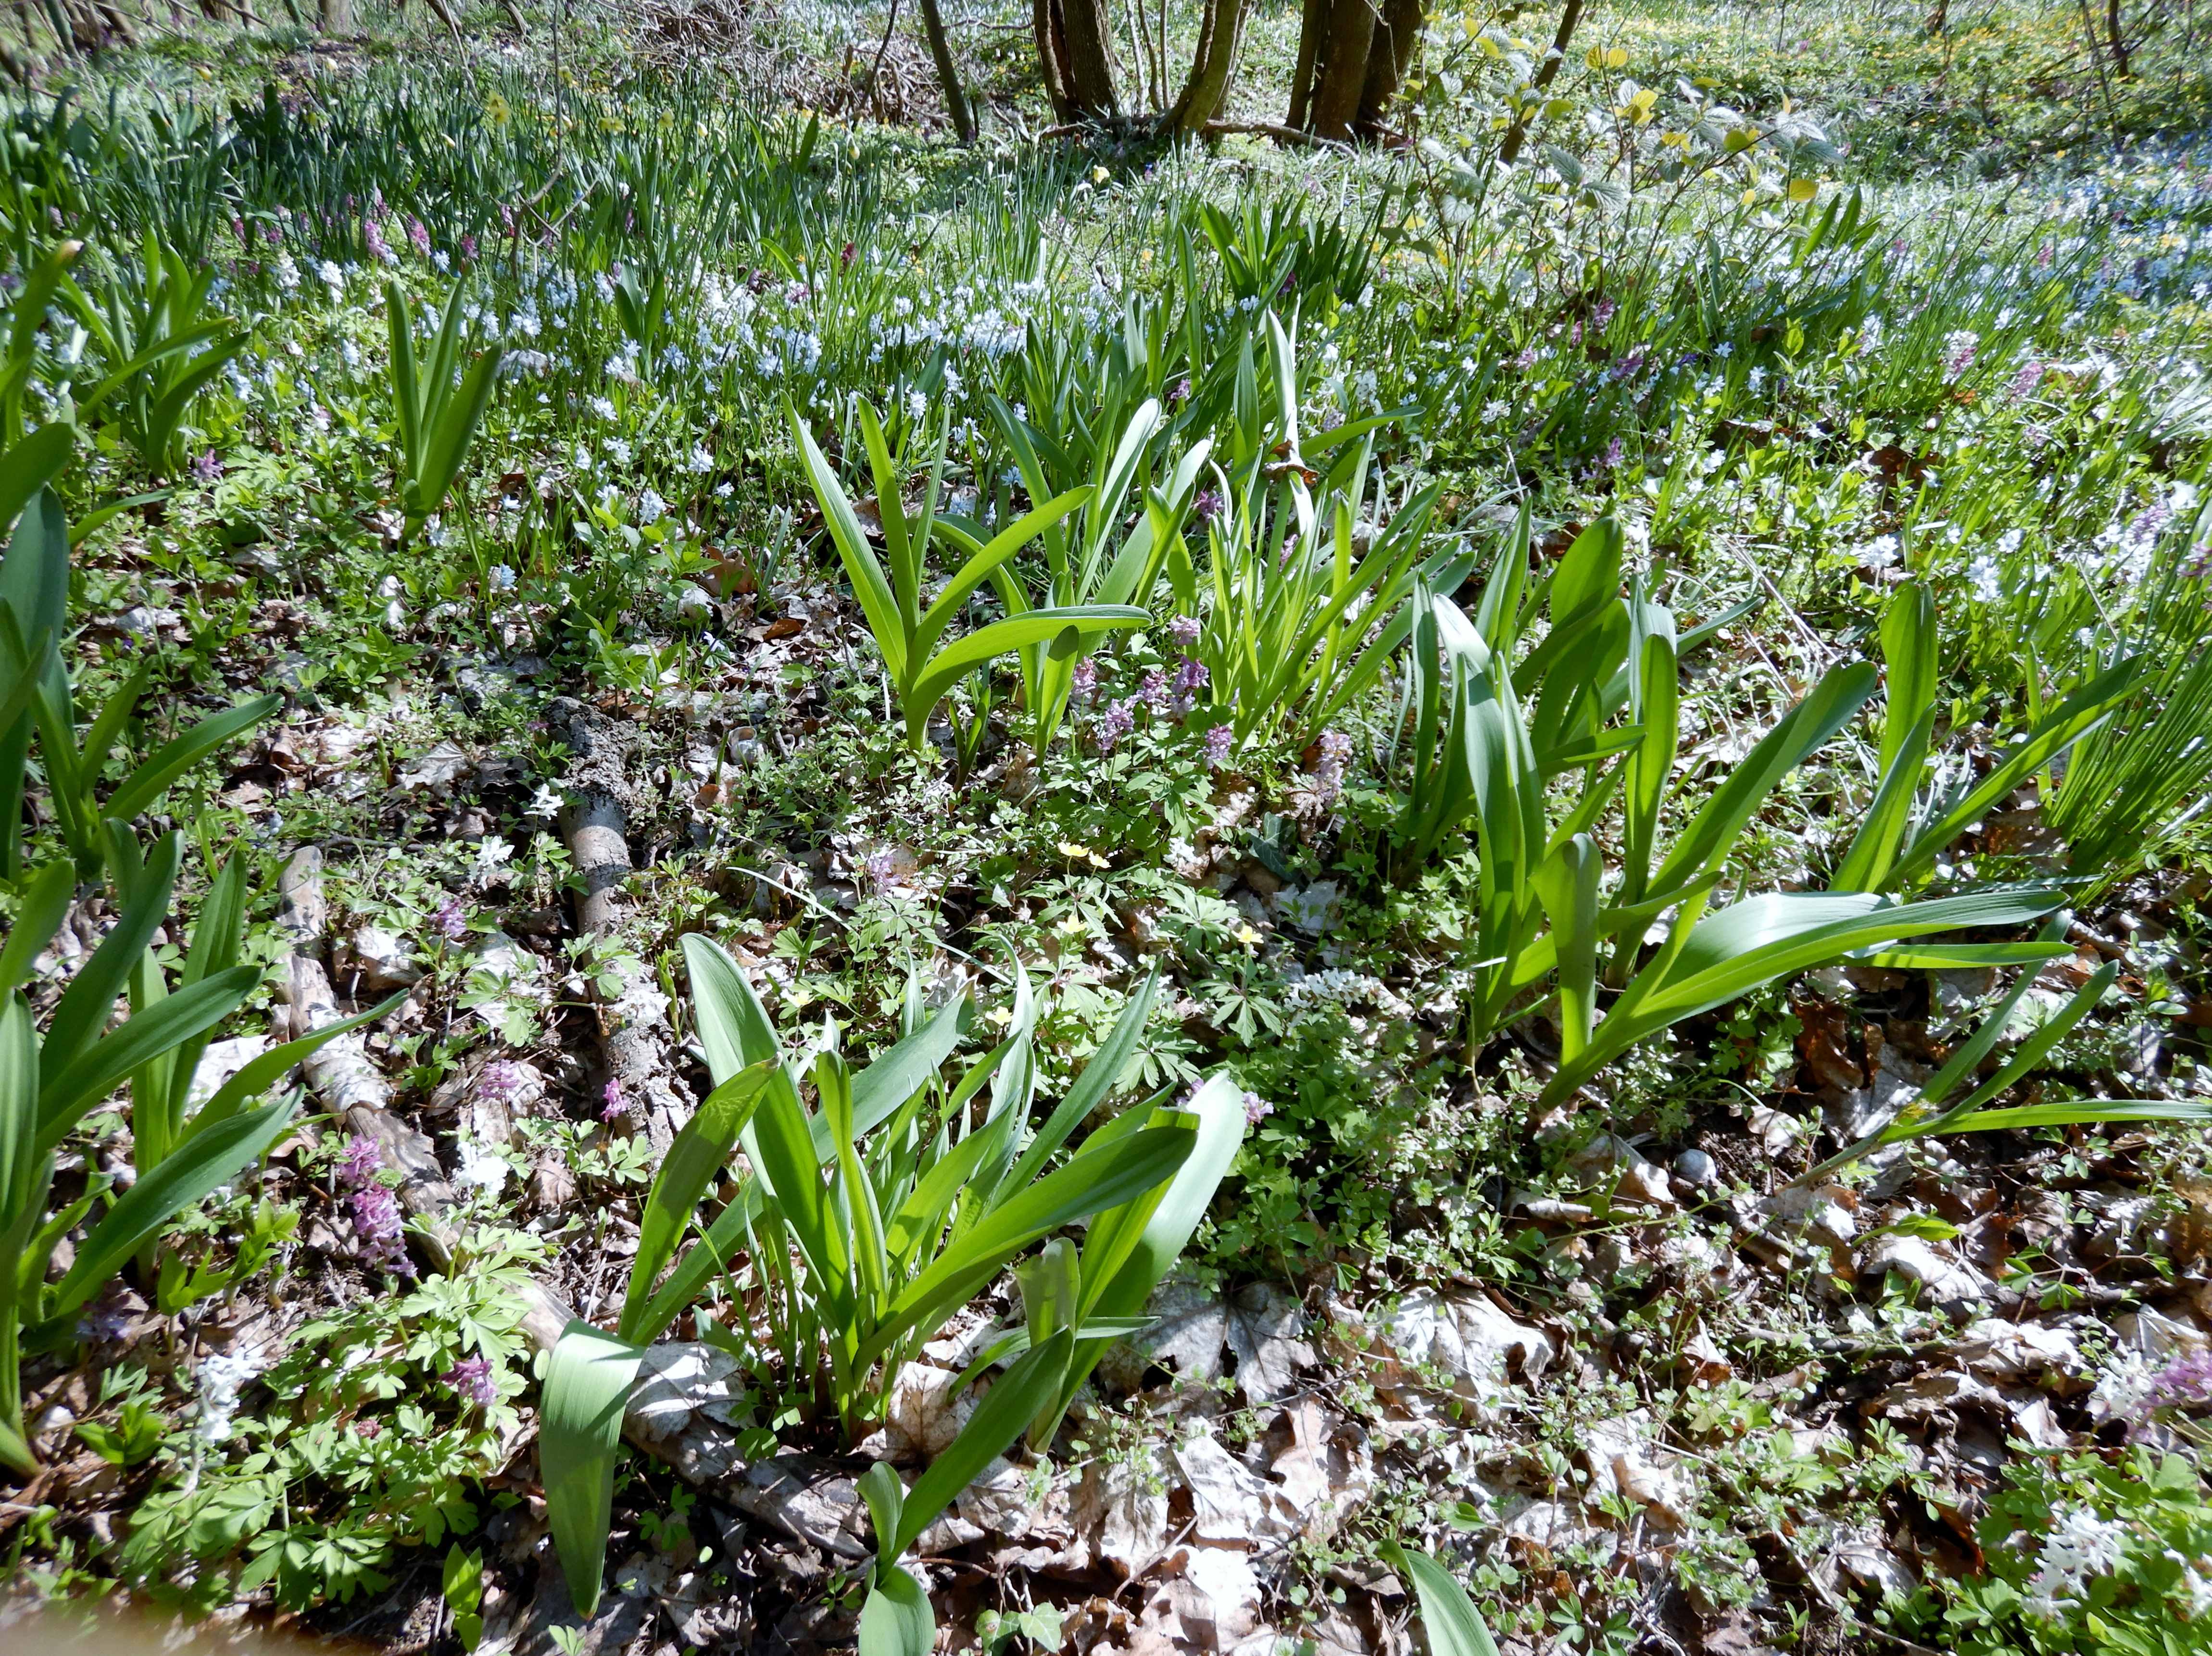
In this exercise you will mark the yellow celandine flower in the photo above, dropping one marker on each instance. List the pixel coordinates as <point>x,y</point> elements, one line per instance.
<point>1071,926</point>
<point>1099,175</point>
<point>1245,935</point>
<point>497,110</point>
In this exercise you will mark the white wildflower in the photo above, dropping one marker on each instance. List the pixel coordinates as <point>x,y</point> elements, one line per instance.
<point>220,1379</point>
<point>480,1168</point>
<point>2080,1545</point>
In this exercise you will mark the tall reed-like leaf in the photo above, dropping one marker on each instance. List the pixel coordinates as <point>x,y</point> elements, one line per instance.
<point>905,633</point>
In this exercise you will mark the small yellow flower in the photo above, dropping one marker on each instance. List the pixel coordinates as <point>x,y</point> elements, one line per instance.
<point>1075,851</point>
<point>1245,935</point>
<point>1000,1015</point>
<point>1072,927</point>
<point>1099,175</point>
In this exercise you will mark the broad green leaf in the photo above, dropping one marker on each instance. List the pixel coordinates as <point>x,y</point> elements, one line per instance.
<point>1796,736</point>
<point>896,1619</point>
<point>457,423</point>
<point>19,1114</point>
<point>1761,939</point>
<point>2082,1113</point>
<point>1092,1088</point>
<point>1087,1185</point>
<point>64,1097</point>
<point>1448,1614</point>
<point>30,465</point>
<point>984,560</point>
<point>964,654</point>
<point>1121,1291</point>
<point>152,779</point>
<point>2058,731</point>
<point>588,1376</point>
<point>259,1074</point>
<point>90,1000</point>
<point>870,585</point>
<point>701,1150</point>
<point>189,1174</point>
<point>1566,884</point>
<point>1003,1415</point>
<point>38,917</point>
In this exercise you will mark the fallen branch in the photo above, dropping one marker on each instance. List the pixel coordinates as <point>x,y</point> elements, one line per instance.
<point>678,1412</point>
<point>348,1084</point>
<point>1275,129</point>
<point>633,1028</point>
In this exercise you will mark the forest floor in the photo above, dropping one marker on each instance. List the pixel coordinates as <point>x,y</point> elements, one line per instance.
<point>1649,1360</point>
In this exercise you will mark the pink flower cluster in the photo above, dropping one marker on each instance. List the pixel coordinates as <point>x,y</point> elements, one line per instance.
<point>472,1381</point>
<point>378,1224</point>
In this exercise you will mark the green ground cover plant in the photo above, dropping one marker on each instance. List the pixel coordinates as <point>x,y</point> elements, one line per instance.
<point>1233,883</point>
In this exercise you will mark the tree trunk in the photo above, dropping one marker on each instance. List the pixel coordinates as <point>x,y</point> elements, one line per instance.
<point>1090,72</point>
<point>2120,42</point>
<point>1211,66</point>
<point>1341,73</point>
<point>948,72</point>
<point>335,17</point>
<point>1051,30</point>
<point>1312,21</point>
<point>1391,56</point>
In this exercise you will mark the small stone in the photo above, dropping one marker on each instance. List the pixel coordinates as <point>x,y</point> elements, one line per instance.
<point>1696,1169</point>
<point>380,960</point>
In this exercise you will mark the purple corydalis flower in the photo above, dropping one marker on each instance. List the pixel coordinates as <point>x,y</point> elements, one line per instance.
<point>1085,682</point>
<point>451,924</point>
<point>1219,742</point>
<point>419,235</point>
<point>1116,722</point>
<point>468,250</point>
<point>1190,678</point>
<point>471,1382</point>
<point>377,1225</point>
<point>501,1082</point>
<point>373,238</point>
<point>615,1106</point>
<point>361,1161</point>
<point>2185,1381</point>
<point>881,865</point>
<point>1206,507</point>
<point>207,467</point>
<point>1329,767</point>
<point>2029,376</point>
<point>1156,691</point>
<point>1256,1109</point>
<point>1185,630</point>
